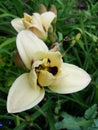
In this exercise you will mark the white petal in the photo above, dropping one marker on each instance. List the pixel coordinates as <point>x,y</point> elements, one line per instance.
<point>36,21</point>
<point>37,26</point>
<point>18,24</point>
<point>29,45</point>
<point>71,79</point>
<point>39,33</point>
<point>45,78</point>
<point>47,19</point>
<point>27,20</point>
<point>33,78</point>
<point>22,96</point>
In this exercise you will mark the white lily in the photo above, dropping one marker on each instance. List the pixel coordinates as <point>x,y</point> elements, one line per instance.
<point>37,23</point>
<point>46,70</point>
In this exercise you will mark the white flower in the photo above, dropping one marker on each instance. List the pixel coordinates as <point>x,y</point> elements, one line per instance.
<point>38,24</point>
<point>46,70</point>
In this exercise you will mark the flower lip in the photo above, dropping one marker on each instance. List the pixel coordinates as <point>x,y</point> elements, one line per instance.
<point>47,68</point>
<point>46,64</point>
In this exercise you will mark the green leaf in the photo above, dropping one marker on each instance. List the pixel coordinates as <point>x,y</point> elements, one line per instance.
<point>91,112</point>
<point>18,6</point>
<point>50,120</point>
<point>72,123</point>
<point>96,122</point>
<point>7,42</point>
<point>60,36</point>
<point>42,109</point>
<point>21,126</point>
<point>7,15</point>
<point>68,122</point>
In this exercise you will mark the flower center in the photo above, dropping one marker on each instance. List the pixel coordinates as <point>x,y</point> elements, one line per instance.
<point>53,70</point>
<point>46,66</point>
<point>45,72</point>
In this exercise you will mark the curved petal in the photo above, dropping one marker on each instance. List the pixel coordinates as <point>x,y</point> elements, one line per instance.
<point>37,27</point>
<point>27,20</point>
<point>71,79</point>
<point>29,45</point>
<point>45,78</point>
<point>54,58</point>
<point>36,21</point>
<point>33,78</point>
<point>47,19</point>
<point>18,25</point>
<point>22,96</point>
<point>40,33</point>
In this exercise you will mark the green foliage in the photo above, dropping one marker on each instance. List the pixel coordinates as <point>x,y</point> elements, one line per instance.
<point>87,122</point>
<point>78,111</point>
<point>91,113</point>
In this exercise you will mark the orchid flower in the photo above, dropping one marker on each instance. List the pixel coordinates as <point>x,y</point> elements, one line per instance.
<point>38,24</point>
<point>47,69</point>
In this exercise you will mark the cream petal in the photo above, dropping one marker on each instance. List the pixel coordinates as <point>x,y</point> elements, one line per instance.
<point>71,79</point>
<point>22,96</point>
<point>37,27</point>
<point>26,24</point>
<point>27,20</point>
<point>55,58</point>
<point>29,45</point>
<point>40,33</point>
<point>45,78</point>
<point>18,25</point>
<point>47,19</point>
<point>33,78</point>
<point>27,17</point>
<point>36,21</point>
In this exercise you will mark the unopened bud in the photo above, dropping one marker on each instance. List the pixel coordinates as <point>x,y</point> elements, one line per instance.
<point>73,42</point>
<point>53,37</point>
<point>53,9</point>
<point>50,30</point>
<point>42,9</point>
<point>78,36</point>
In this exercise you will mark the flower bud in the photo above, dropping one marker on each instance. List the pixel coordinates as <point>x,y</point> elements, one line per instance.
<point>78,36</point>
<point>42,9</point>
<point>53,9</point>
<point>73,42</point>
<point>53,37</point>
<point>50,30</point>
